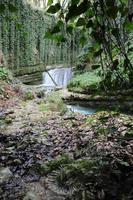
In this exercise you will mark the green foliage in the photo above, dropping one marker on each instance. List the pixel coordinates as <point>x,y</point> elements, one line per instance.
<point>44,107</point>
<point>54,164</point>
<point>22,37</point>
<point>5,75</point>
<point>55,103</point>
<point>91,120</point>
<point>85,83</point>
<point>54,8</point>
<point>106,24</point>
<point>29,95</point>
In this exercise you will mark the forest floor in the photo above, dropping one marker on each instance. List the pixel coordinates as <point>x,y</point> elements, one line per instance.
<point>29,137</point>
<point>32,135</point>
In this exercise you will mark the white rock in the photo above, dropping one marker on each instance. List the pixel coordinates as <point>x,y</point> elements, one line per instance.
<point>5,174</point>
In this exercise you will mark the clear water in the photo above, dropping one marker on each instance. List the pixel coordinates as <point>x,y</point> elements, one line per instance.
<point>81,109</point>
<point>57,77</point>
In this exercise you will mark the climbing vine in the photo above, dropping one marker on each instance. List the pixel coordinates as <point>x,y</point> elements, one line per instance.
<point>22,41</point>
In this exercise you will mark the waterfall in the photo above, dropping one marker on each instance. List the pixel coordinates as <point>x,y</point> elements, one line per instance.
<point>60,76</point>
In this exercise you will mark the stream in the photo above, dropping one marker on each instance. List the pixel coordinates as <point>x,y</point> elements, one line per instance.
<point>60,77</point>
<point>77,108</point>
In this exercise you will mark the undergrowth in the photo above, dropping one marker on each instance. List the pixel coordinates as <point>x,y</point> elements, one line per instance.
<point>84,83</point>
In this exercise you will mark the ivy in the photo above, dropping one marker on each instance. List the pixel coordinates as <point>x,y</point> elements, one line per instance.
<point>22,40</point>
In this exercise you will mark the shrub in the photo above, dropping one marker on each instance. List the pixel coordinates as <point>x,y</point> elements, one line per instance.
<point>84,83</point>
<point>5,75</point>
<point>29,95</point>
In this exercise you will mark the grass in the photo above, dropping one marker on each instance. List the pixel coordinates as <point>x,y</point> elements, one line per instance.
<point>54,164</point>
<point>5,75</point>
<point>44,107</point>
<point>56,103</point>
<point>53,103</point>
<point>88,81</point>
<point>29,95</point>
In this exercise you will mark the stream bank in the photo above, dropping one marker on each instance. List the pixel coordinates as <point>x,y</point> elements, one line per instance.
<point>121,102</point>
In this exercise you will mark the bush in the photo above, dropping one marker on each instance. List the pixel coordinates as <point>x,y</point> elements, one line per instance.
<point>84,83</point>
<point>5,75</point>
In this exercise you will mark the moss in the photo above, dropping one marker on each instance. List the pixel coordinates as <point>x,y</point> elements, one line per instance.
<point>56,103</point>
<point>45,133</point>
<point>29,95</point>
<point>91,120</point>
<point>44,107</point>
<point>54,164</point>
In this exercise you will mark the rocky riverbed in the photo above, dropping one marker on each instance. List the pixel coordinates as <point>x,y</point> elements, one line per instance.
<point>30,137</point>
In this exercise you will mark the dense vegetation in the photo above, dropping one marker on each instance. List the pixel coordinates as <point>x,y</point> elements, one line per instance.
<point>46,150</point>
<point>105,27</point>
<point>22,39</point>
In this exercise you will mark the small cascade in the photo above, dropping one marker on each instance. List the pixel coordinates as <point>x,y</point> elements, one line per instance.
<point>57,77</point>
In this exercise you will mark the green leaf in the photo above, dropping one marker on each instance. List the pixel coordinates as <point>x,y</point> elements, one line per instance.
<point>89,13</point>
<point>50,2</point>
<point>96,66</point>
<point>72,12</point>
<point>51,9</point>
<point>129,26</point>
<point>19,26</point>
<point>12,8</point>
<point>69,29</point>
<point>83,7</point>
<point>80,22</point>
<point>60,23</point>
<point>48,35</point>
<point>125,1</point>
<point>2,8</point>
<point>82,40</point>
<point>75,10</point>
<point>54,8</point>
<point>59,38</point>
<point>89,24</point>
<point>112,12</point>
<point>115,32</point>
<point>56,29</point>
<point>74,2</point>
<point>98,53</point>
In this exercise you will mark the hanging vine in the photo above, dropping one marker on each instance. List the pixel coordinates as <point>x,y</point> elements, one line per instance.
<point>22,42</point>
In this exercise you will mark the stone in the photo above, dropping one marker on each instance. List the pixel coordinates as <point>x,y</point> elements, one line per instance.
<point>5,174</point>
<point>31,196</point>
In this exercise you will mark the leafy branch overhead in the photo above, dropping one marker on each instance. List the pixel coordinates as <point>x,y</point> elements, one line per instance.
<point>107,24</point>
<point>10,6</point>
